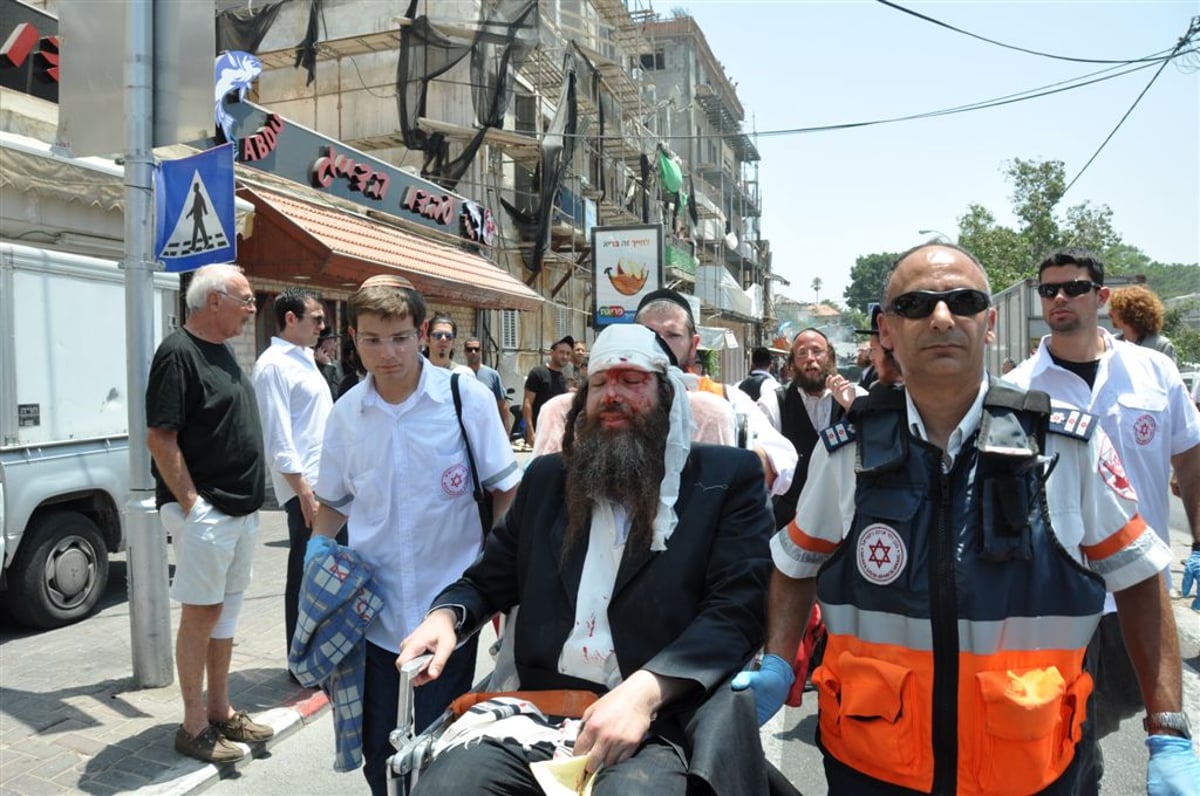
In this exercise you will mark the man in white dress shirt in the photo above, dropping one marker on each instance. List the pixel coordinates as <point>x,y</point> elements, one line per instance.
<point>293,402</point>
<point>396,468</point>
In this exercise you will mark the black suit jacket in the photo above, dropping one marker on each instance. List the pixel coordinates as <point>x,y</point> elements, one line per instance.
<point>695,611</point>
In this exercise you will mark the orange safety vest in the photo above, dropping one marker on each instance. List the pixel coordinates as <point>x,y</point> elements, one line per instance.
<point>714,387</point>
<point>955,573</point>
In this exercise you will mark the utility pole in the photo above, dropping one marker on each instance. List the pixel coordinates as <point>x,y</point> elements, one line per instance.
<point>149,603</point>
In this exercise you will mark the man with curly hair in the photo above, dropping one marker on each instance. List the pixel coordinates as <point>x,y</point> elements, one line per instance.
<point>1138,313</point>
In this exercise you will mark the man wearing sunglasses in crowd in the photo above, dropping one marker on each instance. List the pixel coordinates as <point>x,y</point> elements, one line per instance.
<point>960,535</point>
<point>490,378</point>
<point>442,331</point>
<point>1143,406</point>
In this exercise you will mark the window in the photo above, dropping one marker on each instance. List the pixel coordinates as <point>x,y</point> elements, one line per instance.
<point>653,61</point>
<point>562,321</point>
<point>510,331</point>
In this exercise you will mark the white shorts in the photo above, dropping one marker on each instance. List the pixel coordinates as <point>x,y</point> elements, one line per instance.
<point>214,552</point>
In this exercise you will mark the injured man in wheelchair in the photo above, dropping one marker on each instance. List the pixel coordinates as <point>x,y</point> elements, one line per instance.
<point>640,563</point>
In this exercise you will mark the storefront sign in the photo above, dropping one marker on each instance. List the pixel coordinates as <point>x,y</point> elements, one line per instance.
<point>269,142</point>
<point>29,50</point>
<point>359,176</point>
<point>262,142</point>
<point>628,265</point>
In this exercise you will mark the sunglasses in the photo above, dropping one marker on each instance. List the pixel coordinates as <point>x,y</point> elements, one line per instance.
<point>472,349</point>
<point>1073,289</point>
<point>442,335</point>
<point>922,303</point>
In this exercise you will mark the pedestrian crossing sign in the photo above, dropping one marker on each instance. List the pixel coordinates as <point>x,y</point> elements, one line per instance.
<point>193,197</point>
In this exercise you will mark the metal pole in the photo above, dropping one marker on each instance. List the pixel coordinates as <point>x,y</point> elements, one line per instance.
<point>149,605</point>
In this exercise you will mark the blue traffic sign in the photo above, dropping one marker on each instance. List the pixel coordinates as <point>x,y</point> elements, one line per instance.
<point>193,198</point>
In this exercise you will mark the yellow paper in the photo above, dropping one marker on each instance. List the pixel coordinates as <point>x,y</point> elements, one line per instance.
<point>561,777</point>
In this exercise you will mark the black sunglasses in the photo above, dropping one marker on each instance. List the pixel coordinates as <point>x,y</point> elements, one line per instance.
<point>471,348</point>
<point>921,303</point>
<point>1073,289</point>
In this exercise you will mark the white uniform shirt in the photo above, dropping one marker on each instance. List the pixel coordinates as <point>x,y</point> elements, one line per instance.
<point>400,473</point>
<point>1143,406</point>
<point>1092,510</point>
<point>294,403</point>
<point>780,452</point>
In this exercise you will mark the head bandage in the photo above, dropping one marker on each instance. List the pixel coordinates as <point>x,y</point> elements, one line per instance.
<point>637,347</point>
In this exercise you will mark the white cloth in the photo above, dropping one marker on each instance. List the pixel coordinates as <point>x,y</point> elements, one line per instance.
<point>400,473</point>
<point>1142,405</point>
<point>588,652</point>
<point>780,452</point>
<point>1084,510</point>
<point>293,403</point>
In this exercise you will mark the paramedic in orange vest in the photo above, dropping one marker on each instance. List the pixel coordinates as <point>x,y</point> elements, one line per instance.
<point>960,535</point>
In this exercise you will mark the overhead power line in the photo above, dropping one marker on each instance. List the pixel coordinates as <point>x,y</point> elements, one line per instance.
<point>1160,56</point>
<point>1081,81</point>
<point>1193,29</point>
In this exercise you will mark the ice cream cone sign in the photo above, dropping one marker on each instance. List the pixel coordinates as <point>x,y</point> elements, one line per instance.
<point>627,283</point>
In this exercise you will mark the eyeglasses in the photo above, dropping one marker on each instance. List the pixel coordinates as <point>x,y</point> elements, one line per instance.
<point>922,303</point>
<point>319,320</point>
<point>373,343</point>
<point>1073,289</point>
<point>245,301</point>
<point>624,377</point>
<point>472,349</point>
<point>814,353</point>
<point>442,335</point>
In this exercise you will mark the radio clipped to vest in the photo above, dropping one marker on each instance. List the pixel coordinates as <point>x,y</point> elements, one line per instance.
<point>1012,437</point>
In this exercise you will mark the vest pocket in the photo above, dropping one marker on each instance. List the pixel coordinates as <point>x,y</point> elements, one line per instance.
<point>866,712</point>
<point>1027,723</point>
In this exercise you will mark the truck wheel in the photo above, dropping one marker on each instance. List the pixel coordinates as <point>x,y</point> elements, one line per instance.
<point>59,573</point>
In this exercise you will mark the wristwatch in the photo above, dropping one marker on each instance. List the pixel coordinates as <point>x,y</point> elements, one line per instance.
<point>1168,721</point>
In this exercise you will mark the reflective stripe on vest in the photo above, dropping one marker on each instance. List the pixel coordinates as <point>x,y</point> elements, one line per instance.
<point>1012,634</point>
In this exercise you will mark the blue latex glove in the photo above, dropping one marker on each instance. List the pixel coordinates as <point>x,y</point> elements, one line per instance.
<point>1191,574</point>
<point>770,685</point>
<point>317,547</point>
<point>1173,768</point>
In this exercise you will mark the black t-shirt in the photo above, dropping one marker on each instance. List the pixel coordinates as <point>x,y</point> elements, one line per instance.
<point>544,383</point>
<point>198,390</point>
<point>1084,370</point>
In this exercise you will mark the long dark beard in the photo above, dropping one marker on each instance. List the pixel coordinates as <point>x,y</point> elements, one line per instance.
<point>624,466</point>
<point>810,384</point>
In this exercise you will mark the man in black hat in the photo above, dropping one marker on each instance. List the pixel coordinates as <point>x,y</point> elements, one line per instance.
<point>884,369</point>
<point>669,314</point>
<point>544,382</point>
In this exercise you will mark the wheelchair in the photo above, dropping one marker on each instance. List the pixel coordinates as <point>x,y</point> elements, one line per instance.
<point>415,751</point>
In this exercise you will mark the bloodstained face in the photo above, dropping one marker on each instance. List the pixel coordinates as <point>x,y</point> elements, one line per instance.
<point>617,394</point>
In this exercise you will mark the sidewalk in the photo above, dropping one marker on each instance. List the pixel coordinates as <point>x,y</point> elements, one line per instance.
<point>71,719</point>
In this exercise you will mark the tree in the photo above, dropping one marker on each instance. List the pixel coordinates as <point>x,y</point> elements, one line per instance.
<point>1005,254</point>
<point>1185,339</point>
<point>867,278</point>
<point>1009,255</point>
<point>816,287</point>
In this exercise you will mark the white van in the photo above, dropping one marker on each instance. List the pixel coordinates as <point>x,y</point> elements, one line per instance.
<point>64,453</point>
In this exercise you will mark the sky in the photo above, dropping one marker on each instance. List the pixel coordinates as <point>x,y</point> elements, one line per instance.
<point>830,197</point>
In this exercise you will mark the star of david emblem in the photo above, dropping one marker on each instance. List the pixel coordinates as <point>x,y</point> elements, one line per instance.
<point>879,553</point>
